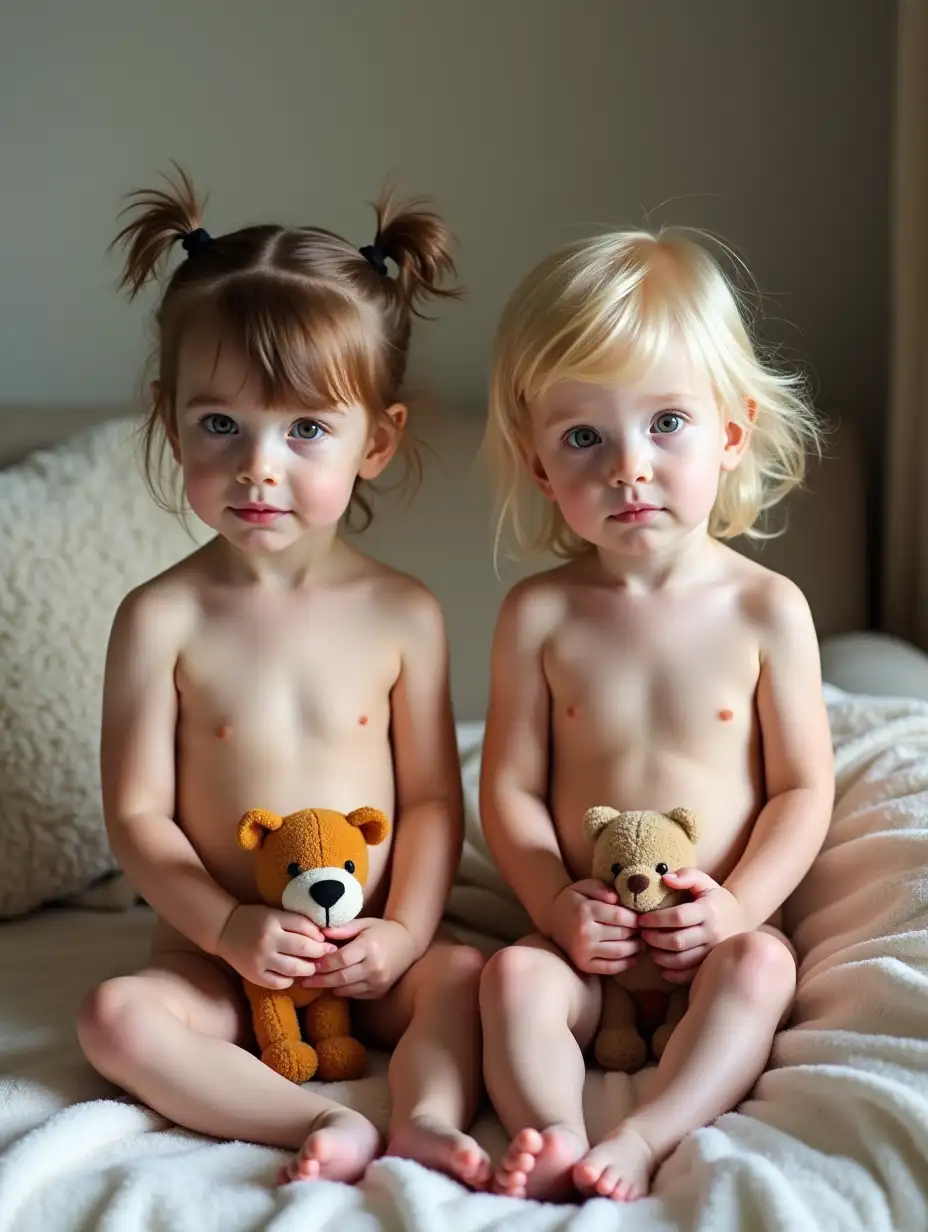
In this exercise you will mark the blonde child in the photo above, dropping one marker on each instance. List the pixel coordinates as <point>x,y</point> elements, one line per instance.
<point>656,668</point>
<point>279,666</point>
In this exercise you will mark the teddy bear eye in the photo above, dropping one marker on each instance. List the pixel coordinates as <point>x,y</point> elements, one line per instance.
<point>616,869</point>
<point>661,868</point>
<point>294,870</point>
<point>349,866</point>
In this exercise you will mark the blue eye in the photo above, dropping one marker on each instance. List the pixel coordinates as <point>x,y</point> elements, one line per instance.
<point>219,425</point>
<point>667,423</point>
<point>582,438</point>
<point>307,430</point>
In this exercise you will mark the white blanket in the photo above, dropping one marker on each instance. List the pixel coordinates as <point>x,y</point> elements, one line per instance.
<point>834,1137</point>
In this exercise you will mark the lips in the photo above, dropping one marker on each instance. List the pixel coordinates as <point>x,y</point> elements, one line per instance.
<point>258,515</point>
<point>636,513</point>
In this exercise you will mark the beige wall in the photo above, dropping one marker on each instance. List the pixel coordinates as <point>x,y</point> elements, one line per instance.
<point>528,120</point>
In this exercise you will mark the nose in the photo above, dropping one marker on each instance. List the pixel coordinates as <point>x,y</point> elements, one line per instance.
<point>327,893</point>
<point>638,883</point>
<point>258,468</point>
<point>629,465</point>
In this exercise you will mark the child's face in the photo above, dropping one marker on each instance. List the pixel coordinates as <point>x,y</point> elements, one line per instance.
<point>264,477</point>
<point>634,466</point>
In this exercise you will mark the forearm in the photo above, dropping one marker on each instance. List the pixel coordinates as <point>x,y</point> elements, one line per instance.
<point>521,836</point>
<point>787,837</point>
<point>426,854</point>
<point>161,864</point>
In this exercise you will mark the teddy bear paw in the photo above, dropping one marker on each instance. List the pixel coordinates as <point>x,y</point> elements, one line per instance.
<point>340,1058</point>
<point>621,1049</point>
<point>292,1059</point>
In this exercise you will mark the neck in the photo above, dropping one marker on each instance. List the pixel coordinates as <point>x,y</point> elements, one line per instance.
<point>651,571</point>
<point>309,560</point>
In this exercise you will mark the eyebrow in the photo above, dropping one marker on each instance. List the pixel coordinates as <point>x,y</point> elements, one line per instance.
<point>218,400</point>
<point>206,400</point>
<point>576,410</point>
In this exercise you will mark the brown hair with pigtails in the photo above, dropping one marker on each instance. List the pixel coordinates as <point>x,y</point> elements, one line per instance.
<point>319,321</point>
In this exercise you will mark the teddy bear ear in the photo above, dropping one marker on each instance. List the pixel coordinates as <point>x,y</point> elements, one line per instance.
<point>687,820</point>
<point>598,817</point>
<point>371,822</point>
<point>255,825</point>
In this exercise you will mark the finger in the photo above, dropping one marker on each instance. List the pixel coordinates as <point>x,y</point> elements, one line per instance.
<point>691,960</point>
<point>685,916</point>
<point>291,922</point>
<point>347,956</point>
<point>335,979</point>
<point>616,951</point>
<point>274,981</point>
<point>678,941</point>
<point>345,932</point>
<point>603,966</point>
<point>290,968</point>
<point>593,888</point>
<point>604,933</point>
<point>692,879</point>
<point>615,915</point>
<point>296,946</point>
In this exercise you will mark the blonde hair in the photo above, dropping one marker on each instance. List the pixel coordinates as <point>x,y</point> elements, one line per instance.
<point>602,308</point>
<point>320,321</point>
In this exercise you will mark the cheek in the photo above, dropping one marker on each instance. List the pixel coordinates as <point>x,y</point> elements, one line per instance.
<point>322,486</point>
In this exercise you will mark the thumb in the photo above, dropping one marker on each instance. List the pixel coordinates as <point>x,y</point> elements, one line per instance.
<point>596,889</point>
<point>691,879</point>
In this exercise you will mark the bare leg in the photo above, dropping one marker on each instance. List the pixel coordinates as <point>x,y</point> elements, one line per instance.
<point>172,1036</point>
<point>538,1016</point>
<point>740,995</point>
<point>432,1017</point>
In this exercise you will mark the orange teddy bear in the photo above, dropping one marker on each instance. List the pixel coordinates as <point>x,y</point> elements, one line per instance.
<point>313,862</point>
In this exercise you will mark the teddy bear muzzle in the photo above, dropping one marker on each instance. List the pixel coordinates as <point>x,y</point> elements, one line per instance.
<point>327,896</point>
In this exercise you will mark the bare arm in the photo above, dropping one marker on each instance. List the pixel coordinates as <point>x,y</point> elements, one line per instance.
<point>429,824</point>
<point>514,770</point>
<point>798,760</point>
<point>137,763</point>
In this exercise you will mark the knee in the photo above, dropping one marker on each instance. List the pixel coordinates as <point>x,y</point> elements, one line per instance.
<point>110,1020</point>
<point>758,968</point>
<point>509,975</point>
<point>455,969</point>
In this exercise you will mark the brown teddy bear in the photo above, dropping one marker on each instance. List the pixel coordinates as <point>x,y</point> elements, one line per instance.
<point>632,852</point>
<point>315,863</point>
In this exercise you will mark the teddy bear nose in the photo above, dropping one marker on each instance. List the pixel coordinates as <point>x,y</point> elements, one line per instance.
<point>327,893</point>
<point>638,883</point>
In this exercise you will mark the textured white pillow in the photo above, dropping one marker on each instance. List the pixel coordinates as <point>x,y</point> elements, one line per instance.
<point>78,529</point>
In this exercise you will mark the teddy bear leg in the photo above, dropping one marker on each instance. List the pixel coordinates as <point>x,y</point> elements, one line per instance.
<point>618,1044</point>
<point>277,1030</point>
<point>679,1000</point>
<point>328,1027</point>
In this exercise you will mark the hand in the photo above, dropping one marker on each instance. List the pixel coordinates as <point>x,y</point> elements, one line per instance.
<point>596,933</point>
<point>271,948</point>
<point>377,953</point>
<point>679,938</point>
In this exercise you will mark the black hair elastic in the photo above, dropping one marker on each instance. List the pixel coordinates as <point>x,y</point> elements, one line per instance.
<point>195,241</point>
<point>376,256</point>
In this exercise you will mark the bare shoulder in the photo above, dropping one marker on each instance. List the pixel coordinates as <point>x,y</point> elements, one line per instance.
<point>400,601</point>
<point>163,609</point>
<point>536,606</point>
<point>773,604</point>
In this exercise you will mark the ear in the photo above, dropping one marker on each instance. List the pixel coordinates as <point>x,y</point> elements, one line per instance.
<point>170,422</point>
<point>371,822</point>
<point>687,820</point>
<point>382,441</point>
<point>597,818</point>
<point>737,434</point>
<point>538,473</point>
<point>255,826</point>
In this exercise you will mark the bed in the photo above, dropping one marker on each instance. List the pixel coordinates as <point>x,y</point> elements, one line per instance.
<point>834,1136</point>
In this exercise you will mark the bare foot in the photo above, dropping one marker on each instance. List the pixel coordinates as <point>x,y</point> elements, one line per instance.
<point>619,1167</point>
<point>340,1145</point>
<point>436,1144</point>
<point>540,1164</point>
